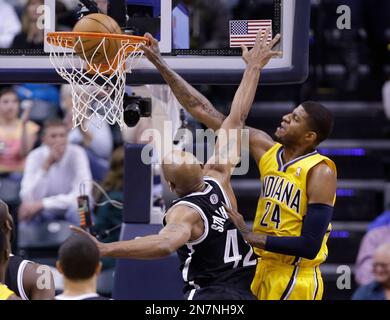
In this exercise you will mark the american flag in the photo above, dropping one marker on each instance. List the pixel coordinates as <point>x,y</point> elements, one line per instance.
<point>245,31</point>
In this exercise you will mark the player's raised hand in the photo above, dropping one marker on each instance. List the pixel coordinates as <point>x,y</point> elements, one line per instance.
<point>237,219</point>
<point>151,50</point>
<point>262,51</point>
<point>100,245</point>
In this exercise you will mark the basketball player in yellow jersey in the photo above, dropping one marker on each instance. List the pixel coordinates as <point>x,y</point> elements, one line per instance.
<point>293,217</point>
<point>5,249</point>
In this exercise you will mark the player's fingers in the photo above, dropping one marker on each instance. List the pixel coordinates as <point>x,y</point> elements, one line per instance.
<point>273,54</point>
<point>152,40</point>
<point>275,41</point>
<point>79,230</point>
<point>259,39</point>
<point>265,37</point>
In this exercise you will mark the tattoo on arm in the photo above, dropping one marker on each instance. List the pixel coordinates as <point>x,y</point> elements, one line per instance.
<point>190,98</point>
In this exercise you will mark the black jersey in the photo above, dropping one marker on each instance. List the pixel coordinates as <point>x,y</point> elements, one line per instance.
<point>220,255</point>
<point>14,275</point>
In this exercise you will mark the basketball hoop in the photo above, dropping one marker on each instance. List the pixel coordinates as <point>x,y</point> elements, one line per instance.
<point>97,88</point>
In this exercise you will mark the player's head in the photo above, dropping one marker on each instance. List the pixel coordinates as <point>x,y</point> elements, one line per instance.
<point>309,124</point>
<point>5,250</point>
<point>9,104</point>
<point>6,221</point>
<point>79,258</point>
<point>381,264</point>
<point>183,172</point>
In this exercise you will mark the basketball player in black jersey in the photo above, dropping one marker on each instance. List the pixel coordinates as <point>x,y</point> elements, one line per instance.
<point>79,263</point>
<point>216,262</point>
<point>22,276</point>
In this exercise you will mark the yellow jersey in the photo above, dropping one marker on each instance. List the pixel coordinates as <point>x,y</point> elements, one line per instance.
<point>5,293</point>
<point>283,201</point>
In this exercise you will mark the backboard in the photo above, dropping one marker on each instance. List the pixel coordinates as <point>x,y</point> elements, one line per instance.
<point>198,38</point>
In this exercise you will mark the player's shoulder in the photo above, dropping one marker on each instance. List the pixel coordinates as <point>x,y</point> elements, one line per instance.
<point>183,209</point>
<point>324,170</point>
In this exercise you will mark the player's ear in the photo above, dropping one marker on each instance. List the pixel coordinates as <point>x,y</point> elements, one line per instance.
<point>311,137</point>
<point>8,225</point>
<point>98,268</point>
<point>171,186</point>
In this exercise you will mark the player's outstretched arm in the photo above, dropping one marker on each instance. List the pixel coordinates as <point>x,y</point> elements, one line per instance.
<point>227,149</point>
<point>190,98</point>
<point>321,190</point>
<point>197,104</point>
<point>178,230</point>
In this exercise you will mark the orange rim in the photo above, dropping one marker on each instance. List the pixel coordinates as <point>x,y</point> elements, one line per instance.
<point>67,39</point>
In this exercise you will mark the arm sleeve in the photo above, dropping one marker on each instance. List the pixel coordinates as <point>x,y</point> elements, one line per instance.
<point>308,244</point>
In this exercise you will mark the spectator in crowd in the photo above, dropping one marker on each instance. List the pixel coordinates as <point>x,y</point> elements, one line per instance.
<point>379,289</point>
<point>10,25</point>
<point>17,135</point>
<point>32,34</point>
<point>5,293</point>
<point>97,141</point>
<point>54,176</point>
<point>378,233</point>
<point>17,138</point>
<point>78,262</point>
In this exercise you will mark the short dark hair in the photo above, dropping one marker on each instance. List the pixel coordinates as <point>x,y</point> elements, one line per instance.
<point>320,120</point>
<point>56,122</point>
<point>78,257</point>
<point>8,90</point>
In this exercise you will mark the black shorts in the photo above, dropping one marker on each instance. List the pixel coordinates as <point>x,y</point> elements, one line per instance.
<point>219,292</point>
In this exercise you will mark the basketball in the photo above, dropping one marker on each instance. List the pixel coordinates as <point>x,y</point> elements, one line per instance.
<point>89,48</point>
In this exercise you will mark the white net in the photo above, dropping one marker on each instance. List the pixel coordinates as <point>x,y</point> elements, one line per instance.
<point>97,88</point>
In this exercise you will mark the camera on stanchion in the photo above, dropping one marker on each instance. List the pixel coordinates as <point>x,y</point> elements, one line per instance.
<point>135,107</point>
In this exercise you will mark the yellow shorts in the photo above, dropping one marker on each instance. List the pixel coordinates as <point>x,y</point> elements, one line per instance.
<point>276,281</point>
